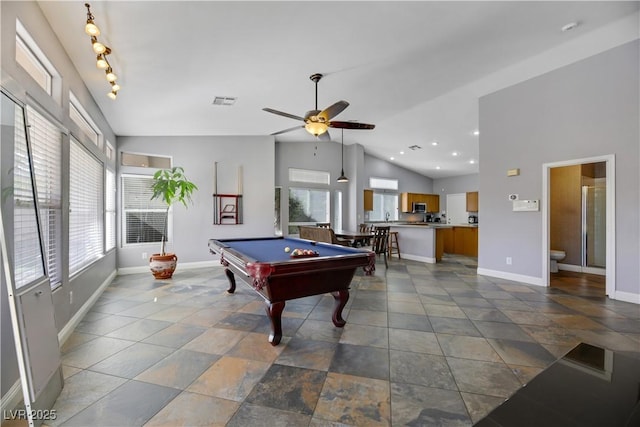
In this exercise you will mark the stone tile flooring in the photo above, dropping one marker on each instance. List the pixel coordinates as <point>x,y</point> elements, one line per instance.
<point>423,345</point>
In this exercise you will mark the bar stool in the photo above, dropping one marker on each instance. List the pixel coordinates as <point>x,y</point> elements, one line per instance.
<point>394,246</point>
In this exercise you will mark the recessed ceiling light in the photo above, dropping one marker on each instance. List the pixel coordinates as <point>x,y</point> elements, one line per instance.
<point>455,153</point>
<point>434,143</point>
<point>402,152</point>
<point>472,161</point>
<point>570,26</point>
<point>392,158</point>
<point>476,132</point>
<point>437,167</point>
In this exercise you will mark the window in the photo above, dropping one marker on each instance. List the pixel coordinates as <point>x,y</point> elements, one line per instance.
<point>86,213</point>
<point>309,176</point>
<point>143,218</point>
<point>337,210</point>
<point>32,59</point>
<point>28,265</point>
<point>109,151</point>
<point>383,183</point>
<point>81,118</point>
<point>277,213</point>
<point>307,207</point>
<point>110,211</point>
<point>145,161</point>
<point>46,148</point>
<point>385,207</point>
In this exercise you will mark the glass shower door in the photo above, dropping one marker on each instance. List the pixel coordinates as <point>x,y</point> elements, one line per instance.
<point>594,228</point>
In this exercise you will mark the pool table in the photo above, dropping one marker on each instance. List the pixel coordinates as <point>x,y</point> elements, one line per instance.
<point>277,276</point>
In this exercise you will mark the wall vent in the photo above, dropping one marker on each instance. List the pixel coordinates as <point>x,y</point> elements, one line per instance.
<point>415,147</point>
<point>227,101</point>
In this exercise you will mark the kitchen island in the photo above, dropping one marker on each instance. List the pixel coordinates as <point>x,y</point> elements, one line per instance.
<point>426,242</point>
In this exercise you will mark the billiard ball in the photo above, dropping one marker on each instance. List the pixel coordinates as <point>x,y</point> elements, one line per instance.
<point>287,249</point>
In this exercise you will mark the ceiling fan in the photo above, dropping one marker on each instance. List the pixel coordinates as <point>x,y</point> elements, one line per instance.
<point>317,122</point>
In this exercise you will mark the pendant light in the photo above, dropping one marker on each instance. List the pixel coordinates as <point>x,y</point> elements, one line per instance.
<point>342,178</point>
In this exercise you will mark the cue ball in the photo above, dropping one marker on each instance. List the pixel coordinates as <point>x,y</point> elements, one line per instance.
<point>287,249</point>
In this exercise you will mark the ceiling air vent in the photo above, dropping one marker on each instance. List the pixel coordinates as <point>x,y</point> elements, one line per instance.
<point>415,147</point>
<point>227,101</point>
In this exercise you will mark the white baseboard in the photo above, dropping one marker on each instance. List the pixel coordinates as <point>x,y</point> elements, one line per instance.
<point>580,269</point>
<point>68,329</point>
<point>181,266</point>
<point>626,296</point>
<point>530,280</point>
<point>428,260</point>
<point>12,398</point>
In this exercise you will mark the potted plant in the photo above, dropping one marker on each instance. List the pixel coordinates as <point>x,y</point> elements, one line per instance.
<point>169,185</point>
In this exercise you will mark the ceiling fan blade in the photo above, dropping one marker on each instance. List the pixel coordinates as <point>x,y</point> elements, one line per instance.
<point>333,110</point>
<point>288,130</point>
<point>351,125</point>
<point>280,113</point>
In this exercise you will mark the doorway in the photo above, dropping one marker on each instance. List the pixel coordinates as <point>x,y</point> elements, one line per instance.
<point>579,219</point>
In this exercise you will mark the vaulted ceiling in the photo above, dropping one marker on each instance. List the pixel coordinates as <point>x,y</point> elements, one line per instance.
<point>414,69</point>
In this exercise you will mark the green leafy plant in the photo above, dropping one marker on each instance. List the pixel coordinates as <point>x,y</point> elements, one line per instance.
<point>171,186</point>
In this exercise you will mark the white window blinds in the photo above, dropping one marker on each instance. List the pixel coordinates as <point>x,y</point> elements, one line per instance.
<point>85,208</point>
<point>28,265</point>
<point>46,149</point>
<point>110,211</point>
<point>143,218</point>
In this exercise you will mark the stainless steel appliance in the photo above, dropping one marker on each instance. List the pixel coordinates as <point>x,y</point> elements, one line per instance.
<point>419,207</point>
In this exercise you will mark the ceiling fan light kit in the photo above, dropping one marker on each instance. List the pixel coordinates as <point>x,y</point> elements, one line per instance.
<point>102,51</point>
<point>318,122</point>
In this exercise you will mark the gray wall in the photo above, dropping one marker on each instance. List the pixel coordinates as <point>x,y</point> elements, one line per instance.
<point>21,85</point>
<point>193,226</point>
<point>455,185</point>
<point>586,109</point>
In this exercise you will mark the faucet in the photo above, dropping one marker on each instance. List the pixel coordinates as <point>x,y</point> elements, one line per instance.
<point>387,215</point>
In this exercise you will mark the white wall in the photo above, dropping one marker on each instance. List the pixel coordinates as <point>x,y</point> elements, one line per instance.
<point>193,227</point>
<point>587,109</point>
<point>455,185</point>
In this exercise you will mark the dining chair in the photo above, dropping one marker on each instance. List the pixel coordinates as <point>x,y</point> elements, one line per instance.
<point>365,228</point>
<point>380,239</point>
<point>323,224</point>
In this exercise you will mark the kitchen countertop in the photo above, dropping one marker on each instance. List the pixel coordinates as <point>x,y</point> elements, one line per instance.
<point>424,224</point>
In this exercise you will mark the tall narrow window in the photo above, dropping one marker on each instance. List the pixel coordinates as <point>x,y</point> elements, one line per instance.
<point>86,213</point>
<point>27,253</point>
<point>110,210</point>
<point>46,149</point>
<point>142,218</point>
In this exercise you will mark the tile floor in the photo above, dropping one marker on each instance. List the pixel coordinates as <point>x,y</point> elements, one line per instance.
<point>423,345</point>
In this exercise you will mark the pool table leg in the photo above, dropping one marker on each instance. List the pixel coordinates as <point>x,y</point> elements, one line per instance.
<point>274,311</point>
<point>232,280</point>
<point>341,298</point>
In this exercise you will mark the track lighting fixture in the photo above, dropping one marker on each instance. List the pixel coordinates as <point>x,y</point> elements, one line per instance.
<point>101,51</point>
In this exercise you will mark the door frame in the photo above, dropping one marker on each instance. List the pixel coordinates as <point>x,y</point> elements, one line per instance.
<point>609,159</point>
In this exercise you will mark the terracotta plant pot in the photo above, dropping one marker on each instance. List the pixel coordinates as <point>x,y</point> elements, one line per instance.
<point>163,266</point>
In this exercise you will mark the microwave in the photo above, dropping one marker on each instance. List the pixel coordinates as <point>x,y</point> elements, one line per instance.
<point>419,207</point>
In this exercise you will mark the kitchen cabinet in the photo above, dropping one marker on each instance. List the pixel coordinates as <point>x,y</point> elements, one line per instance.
<point>433,203</point>
<point>368,200</point>
<point>461,241</point>
<point>408,199</point>
<point>472,201</point>
<point>447,240</point>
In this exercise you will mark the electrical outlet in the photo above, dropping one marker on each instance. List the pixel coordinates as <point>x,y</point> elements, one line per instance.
<point>70,297</point>
<point>144,255</point>
<point>509,260</point>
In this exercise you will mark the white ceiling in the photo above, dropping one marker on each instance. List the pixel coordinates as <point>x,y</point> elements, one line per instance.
<point>415,69</point>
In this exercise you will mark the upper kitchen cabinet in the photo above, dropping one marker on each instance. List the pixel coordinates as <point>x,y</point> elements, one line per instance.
<point>472,201</point>
<point>368,200</point>
<point>408,199</point>
<point>433,203</point>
